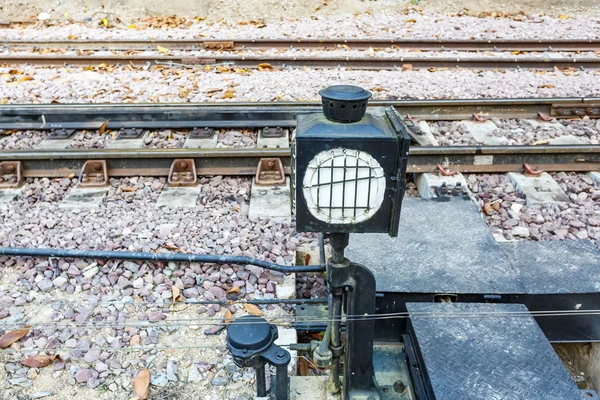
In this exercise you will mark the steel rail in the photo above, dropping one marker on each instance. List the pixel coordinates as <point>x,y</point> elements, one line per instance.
<point>268,114</point>
<point>157,162</point>
<point>551,45</point>
<point>252,62</point>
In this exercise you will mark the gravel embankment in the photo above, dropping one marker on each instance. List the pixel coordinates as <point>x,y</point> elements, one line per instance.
<point>127,297</point>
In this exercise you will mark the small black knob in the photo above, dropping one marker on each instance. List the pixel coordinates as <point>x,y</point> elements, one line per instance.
<point>344,103</point>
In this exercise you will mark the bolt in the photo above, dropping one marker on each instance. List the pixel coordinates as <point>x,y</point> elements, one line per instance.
<point>280,354</point>
<point>399,387</point>
<point>244,351</point>
<point>11,168</point>
<point>97,166</point>
<point>183,165</point>
<point>270,164</point>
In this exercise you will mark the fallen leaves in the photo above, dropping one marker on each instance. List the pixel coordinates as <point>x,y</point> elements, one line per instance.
<point>176,293</point>
<point>163,50</point>
<point>12,336</point>
<point>227,317</point>
<point>252,309</point>
<point>491,207</point>
<point>264,67</point>
<point>141,384</point>
<point>546,86</point>
<point>563,16</point>
<point>103,127</point>
<point>134,340</point>
<point>40,361</point>
<point>230,94</point>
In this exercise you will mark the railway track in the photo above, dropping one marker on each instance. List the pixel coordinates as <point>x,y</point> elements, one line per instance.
<point>243,161</point>
<point>324,44</point>
<point>44,53</point>
<point>255,62</point>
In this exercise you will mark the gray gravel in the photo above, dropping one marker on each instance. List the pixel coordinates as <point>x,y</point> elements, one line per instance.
<point>22,140</point>
<point>168,139</point>
<point>579,219</point>
<point>91,140</point>
<point>520,132</point>
<point>113,293</point>
<point>412,24</point>
<point>158,85</point>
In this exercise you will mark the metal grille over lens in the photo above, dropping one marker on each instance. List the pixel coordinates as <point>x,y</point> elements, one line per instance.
<point>343,186</point>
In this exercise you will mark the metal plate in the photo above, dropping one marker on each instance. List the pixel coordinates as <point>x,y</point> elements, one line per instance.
<point>442,247</point>
<point>469,354</point>
<point>391,372</point>
<point>556,267</point>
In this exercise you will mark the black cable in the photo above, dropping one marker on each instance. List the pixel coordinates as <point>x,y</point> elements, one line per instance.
<point>164,257</point>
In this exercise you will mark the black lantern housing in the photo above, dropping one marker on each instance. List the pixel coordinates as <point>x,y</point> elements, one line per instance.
<point>349,165</point>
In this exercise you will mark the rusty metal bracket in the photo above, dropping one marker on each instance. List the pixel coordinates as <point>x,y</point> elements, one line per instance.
<point>276,132</point>
<point>219,45</point>
<point>270,172</point>
<point>11,174</point>
<point>129,133</point>
<point>93,174</point>
<point>591,110</point>
<point>183,173</point>
<point>61,134</point>
<point>201,133</point>
<point>445,171</point>
<point>531,170</point>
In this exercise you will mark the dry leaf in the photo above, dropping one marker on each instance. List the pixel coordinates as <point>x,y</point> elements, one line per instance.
<point>176,294</point>
<point>252,309</point>
<point>487,209</point>
<point>129,189</point>
<point>104,22</point>
<point>411,21</point>
<point>162,49</point>
<point>39,361</point>
<point>134,340</point>
<point>103,127</point>
<point>132,26</point>
<point>235,289</point>
<point>307,259</point>
<point>12,336</point>
<point>546,86</point>
<point>227,317</point>
<point>141,384</point>
<point>230,94</point>
<point>26,78</point>
<point>346,47</point>
<point>265,66</point>
<point>563,16</point>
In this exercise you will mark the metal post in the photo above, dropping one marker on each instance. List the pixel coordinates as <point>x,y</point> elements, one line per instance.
<point>261,384</point>
<point>360,332</point>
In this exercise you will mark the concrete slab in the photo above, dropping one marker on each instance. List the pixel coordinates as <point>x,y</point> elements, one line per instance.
<point>81,198</point>
<point>286,289</point>
<point>482,132</point>
<point>55,144</point>
<point>538,189</point>
<point>310,387</point>
<point>280,142</point>
<point>137,143</point>
<point>288,336</point>
<point>565,140</point>
<point>427,138</point>
<point>204,143</point>
<point>9,195</point>
<point>595,176</point>
<point>425,183</point>
<point>271,202</point>
<point>442,247</point>
<point>179,197</point>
